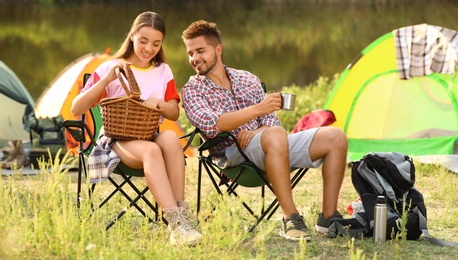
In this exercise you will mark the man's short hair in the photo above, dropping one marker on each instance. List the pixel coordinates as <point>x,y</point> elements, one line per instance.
<point>203,28</point>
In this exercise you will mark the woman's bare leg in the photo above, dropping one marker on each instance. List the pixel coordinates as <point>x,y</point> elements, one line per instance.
<point>172,153</point>
<point>147,155</point>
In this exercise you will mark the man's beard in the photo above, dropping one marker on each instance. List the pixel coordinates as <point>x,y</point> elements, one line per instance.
<point>210,66</point>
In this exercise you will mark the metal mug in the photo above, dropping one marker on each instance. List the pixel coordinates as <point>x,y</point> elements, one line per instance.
<point>288,101</point>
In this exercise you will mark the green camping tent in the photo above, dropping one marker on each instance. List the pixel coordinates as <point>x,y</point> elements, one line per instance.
<point>400,94</point>
<point>16,105</point>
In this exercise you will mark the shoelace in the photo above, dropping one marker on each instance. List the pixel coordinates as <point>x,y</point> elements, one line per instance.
<point>298,223</point>
<point>191,219</point>
<point>183,223</point>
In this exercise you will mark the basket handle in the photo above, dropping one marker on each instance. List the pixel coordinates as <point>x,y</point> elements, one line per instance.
<point>134,91</point>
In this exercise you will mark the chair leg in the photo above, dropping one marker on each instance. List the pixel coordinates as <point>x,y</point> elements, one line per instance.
<point>274,205</point>
<point>118,188</point>
<point>266,213</point>
<point>199,186</point>
<point>263,198</point>
<point>154,208</point>
<point>139,194</point>
<point>79,130</point>
<point>132,203</point>
<point>294,181</point>
<point>80,179</point>
<point>230,188</point>
<point>83,169</point>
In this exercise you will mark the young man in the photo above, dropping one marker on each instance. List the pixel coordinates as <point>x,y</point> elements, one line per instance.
<point>220,99</point>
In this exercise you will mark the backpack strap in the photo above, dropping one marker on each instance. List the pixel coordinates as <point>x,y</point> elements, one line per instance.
<point>424,230</point>
<point>354,227</point>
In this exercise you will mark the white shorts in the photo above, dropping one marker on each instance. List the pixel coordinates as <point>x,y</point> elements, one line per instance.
<point>299,157</point>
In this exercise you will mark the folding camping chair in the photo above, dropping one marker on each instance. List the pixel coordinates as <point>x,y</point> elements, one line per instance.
<point>81,132</point>
<point>245,175</point>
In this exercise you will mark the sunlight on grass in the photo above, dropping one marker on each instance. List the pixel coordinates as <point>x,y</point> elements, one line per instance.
<point>39,218</point>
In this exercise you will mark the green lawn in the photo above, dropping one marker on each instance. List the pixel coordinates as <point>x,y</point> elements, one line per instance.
<point>39,220</point>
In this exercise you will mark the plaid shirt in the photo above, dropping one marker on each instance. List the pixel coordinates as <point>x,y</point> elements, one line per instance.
<point>424,49</point>
<point>204,102</point>
<point>103,160</point>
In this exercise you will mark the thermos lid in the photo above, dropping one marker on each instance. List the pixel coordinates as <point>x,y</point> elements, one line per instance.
<point>380,200</point>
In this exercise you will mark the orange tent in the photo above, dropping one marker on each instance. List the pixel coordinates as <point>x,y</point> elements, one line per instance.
<point>57,98</point>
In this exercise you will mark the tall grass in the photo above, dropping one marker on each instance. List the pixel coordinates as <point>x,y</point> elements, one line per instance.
<point>39,219</point>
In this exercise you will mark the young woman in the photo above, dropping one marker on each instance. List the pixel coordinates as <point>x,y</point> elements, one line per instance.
<point>162,157</point>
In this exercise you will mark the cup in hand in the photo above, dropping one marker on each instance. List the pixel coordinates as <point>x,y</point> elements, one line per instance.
<point>288,101</point>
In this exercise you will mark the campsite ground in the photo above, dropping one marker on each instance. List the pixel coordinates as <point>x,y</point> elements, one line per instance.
<point>38,218</point>
<point>27,170</point>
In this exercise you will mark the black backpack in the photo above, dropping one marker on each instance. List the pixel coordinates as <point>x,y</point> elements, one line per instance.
<point>392,175</point>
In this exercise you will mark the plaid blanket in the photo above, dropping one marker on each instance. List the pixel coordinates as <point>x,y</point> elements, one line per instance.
<point>424,49</point>
<point>103,160</point>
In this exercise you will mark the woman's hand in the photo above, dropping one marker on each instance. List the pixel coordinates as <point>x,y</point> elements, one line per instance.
<point>154,103</point>
<point>111,74</point>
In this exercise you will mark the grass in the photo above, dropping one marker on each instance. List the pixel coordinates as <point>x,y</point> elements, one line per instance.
<point>39,220</point>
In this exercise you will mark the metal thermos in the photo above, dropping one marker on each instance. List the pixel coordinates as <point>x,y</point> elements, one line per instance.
<point>380,213</point>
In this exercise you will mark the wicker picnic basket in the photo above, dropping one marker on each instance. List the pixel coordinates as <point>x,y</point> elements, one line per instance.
<point>127,118</point>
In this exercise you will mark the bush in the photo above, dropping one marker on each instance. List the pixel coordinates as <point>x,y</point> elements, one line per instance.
<point>308,98</point>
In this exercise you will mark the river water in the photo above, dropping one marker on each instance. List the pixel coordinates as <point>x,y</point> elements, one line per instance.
<point>283,42</point>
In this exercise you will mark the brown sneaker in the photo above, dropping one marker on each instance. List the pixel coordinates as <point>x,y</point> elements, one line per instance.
<point>294,228</point>
<point>7,151</point>
<point>15,155</point>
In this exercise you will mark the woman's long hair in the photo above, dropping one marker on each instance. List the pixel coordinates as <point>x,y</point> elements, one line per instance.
<point>147,18</point>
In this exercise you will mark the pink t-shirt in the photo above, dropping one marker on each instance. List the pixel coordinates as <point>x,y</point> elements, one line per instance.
<point>157,82</point>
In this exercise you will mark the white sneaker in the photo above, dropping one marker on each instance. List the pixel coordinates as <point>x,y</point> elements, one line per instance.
<point>183,208</point>
<point>182,230</point>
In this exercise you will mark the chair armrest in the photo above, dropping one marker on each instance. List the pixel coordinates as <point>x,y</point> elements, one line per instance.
<point>190,137</point>
<point>212,142</point>
<point>78,130</point>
